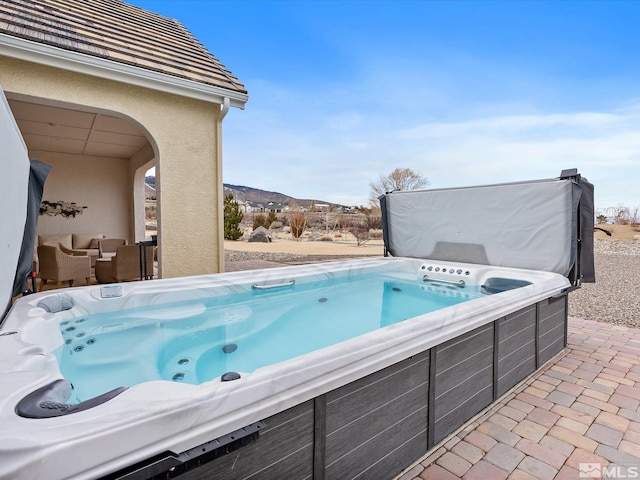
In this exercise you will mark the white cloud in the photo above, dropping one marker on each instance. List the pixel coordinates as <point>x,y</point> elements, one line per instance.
<point>305,145</point>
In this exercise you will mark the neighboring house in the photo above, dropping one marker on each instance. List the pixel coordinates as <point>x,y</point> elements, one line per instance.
<point>103,91</point>
<point>274,207</point>
<point>251,207</point>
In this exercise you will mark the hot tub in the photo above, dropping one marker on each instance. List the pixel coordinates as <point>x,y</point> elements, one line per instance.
<point>342,370</point>
<point>156,336</point>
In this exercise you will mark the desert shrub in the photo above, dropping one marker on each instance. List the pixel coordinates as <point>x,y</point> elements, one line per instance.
<point>325,238</point>
<point>150,211</point>
<point>626,216</point>
<point>375,223</point>
<point>358,226</point>
<point>635,219</point>
<point>297,223</point>
<point>375,233</point>
<point>275,225</point>
<point>260,221</point>
<point>271,217</point>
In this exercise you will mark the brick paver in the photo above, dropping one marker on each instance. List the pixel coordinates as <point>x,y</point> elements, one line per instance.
<point>484,470</point>
<point>615,422</point>
<point>454,464</point>
<point>530,430</point>
<point>435,472</point>
<point>574,425</point>
<point>543,417</point>
<point>537,469</point>
<point>468,451</point>
<point>486,443</point>
<point>556,445</point>
<point>582,407</point>
<point>547,455</point>
<point>604,435</point>
<point>582,456</point>
<point>504,457</point>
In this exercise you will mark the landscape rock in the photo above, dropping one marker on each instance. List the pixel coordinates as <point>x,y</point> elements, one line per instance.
<point>260,234</point>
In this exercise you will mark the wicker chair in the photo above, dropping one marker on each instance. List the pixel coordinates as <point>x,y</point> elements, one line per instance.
<point>57,265</point>
<point>107,246</point>
<point>124,265</point>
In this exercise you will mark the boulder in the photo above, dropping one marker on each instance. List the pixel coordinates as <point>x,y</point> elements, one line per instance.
<point>260,234</point>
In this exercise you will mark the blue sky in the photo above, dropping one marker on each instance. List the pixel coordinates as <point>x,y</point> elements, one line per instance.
<point>463,92</point>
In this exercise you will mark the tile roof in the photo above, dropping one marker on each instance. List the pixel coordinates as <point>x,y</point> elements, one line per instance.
<point>114,30</point>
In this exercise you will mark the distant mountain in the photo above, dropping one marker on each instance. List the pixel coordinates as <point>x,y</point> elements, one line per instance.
<point>258,196</point>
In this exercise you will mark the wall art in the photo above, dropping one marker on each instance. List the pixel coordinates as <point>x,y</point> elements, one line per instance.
<point>65,209</point>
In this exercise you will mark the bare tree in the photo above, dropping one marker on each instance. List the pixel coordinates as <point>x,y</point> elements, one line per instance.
<point>399,179</point>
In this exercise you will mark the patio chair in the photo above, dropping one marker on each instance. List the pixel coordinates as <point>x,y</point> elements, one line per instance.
<point>107,246</point>
<point>59,266</point>
<point>124,265</point>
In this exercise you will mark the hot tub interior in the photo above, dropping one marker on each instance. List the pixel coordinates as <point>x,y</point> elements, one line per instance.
<point>197,341</point>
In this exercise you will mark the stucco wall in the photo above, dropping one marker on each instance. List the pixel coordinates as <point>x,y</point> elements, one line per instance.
<point>182,132</point>
<point>101,184</point>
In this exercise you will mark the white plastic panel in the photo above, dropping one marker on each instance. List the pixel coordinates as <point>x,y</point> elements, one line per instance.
<point>14,183</point>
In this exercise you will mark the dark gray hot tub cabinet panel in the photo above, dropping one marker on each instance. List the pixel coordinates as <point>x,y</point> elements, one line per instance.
<point>378,425</point>
<point>375,423</point>
<point>463,379</point>
<point>552,327</point>
<point>284,449</point>
<point>516,348</point>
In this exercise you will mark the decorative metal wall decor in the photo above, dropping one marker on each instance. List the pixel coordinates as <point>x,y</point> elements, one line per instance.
<point>66,209</point>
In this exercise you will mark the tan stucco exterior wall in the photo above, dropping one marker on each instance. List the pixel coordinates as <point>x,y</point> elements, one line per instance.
<point>182,132</point>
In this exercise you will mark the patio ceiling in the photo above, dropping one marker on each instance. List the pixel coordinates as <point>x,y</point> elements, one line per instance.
<point>62,130</point>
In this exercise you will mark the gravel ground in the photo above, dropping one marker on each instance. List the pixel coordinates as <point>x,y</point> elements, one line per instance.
<point>288,258</point>
<point>614,298</point>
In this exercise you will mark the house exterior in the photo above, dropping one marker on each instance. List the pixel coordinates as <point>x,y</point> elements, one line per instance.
<point>102,91</point>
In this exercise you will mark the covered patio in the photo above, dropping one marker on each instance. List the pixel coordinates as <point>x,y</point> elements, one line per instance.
<point>102,92</point>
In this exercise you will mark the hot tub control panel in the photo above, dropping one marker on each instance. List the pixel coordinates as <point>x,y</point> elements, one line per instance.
<point>445,269</point>
<point>451,276</point>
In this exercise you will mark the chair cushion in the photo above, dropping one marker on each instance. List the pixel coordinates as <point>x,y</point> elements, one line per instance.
<point>54,240</point>
<point>83,240</point>
<point>94,243</point>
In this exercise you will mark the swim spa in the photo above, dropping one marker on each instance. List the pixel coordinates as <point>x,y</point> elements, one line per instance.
<point>173,363</point>
<point>342,370</point>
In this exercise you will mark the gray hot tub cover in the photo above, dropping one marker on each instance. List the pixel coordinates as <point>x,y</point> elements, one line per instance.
<point>538,225</point>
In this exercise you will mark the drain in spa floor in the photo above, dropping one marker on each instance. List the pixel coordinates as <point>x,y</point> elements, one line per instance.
<point>230,348</point>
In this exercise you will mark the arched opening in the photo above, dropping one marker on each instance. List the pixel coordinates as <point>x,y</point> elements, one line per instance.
<point>99,159</point>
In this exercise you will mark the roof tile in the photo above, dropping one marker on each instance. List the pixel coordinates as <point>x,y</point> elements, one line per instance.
<point>114,30</point>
